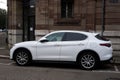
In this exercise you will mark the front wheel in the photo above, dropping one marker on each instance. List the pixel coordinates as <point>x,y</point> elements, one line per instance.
<point>22,57</point>
<point>88,61</point>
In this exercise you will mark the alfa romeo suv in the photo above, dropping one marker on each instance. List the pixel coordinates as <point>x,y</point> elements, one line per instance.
<point>85,48</point>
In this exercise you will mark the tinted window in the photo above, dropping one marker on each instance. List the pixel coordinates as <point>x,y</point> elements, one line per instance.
<point>55,37</point>
<point>74,37</point>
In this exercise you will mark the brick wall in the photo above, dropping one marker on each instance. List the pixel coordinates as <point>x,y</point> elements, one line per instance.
<point>87,17</point>
<point>48,16</point>
<point>14,22</point>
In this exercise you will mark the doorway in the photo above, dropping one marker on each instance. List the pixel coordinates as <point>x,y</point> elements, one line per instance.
<point>31,28</point>
<point>28,20</point>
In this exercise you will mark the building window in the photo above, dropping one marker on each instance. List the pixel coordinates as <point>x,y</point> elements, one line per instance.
<point>114,1</point>
<point>67,8</point>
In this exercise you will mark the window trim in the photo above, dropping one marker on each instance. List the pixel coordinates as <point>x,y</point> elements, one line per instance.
<point>67,12</point>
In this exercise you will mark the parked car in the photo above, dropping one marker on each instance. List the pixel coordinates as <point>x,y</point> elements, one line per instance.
<point>85,48</point>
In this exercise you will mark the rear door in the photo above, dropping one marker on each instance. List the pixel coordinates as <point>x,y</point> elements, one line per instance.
<point>71,45</point>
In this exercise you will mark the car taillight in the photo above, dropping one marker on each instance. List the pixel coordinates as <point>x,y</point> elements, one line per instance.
<point>106,44</point>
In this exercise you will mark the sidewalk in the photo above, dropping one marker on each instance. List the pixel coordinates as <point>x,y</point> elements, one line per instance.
<point>4,53</point>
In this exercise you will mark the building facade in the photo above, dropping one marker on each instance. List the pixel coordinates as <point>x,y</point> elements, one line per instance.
<point>31,19</point>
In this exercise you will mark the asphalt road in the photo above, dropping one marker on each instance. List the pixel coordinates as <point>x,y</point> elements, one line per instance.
<point>54,71</point>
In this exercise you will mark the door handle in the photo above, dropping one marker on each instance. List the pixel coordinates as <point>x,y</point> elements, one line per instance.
<point>57,45</point>
<point>81,44</point>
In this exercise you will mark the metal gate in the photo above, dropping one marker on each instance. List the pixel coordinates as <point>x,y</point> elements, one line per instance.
<point>3,39</point>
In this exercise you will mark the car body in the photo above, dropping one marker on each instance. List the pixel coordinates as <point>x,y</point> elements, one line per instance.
<point>85,48</point>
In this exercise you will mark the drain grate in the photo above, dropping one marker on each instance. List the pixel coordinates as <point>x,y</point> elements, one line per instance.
<point>113,79</point>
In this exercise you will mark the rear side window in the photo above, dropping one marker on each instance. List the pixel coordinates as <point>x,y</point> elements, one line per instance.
<point>74,37</point>
<point>101,37</point>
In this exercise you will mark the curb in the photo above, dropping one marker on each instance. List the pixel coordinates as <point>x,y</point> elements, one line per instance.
<point>4,57</point>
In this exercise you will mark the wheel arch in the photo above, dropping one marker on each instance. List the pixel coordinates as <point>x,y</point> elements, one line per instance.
<point>21,48</point>
<point>84,51</point>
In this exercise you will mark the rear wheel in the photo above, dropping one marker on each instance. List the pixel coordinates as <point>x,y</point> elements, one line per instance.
<point>88,61</point>
<point>22,57</point>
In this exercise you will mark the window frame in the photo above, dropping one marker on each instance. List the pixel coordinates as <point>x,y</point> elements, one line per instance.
<point>67,11</point>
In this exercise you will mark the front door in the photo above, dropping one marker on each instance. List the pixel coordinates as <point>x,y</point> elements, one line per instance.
<point>50,50</point>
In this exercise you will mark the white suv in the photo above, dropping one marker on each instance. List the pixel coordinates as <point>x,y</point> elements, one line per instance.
<point>86,49</point>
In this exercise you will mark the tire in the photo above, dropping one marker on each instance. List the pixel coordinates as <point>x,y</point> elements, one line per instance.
<point>88,61</point>
<point>22,57</point>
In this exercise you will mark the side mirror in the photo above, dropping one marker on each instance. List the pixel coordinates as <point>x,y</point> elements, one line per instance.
<point>44,40</point>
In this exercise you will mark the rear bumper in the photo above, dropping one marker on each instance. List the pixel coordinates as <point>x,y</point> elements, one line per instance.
<point>108,61</point>
<point>106,54</point>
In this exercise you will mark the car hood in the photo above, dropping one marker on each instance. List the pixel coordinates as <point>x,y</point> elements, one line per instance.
<point>27,43</point>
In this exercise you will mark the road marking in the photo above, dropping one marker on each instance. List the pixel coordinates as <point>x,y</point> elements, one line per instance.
<point>3,56</point>
<point>3,64</point>
<point>94,71</point>
<point>11,63</point>
<point>107,71</point>
<point>116,69</point>
<point>2,48</point>
<point>7,63</point>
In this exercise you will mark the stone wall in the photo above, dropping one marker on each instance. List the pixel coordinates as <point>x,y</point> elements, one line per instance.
<point>87,16</point>
<point>14,22</point>
<point>48,16</point>
<point>114,37</point>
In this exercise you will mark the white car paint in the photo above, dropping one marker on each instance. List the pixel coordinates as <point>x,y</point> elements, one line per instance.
<point>64,50</point>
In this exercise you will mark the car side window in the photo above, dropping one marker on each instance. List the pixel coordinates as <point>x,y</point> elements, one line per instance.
<point>55,37</point>
<point>74,37</point>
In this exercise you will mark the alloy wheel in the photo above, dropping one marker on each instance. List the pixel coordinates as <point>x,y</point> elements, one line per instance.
<point>22,58</point>
<point>88,61</point>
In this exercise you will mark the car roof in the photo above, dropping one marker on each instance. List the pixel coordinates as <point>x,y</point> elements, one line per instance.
<point>75,31</point>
